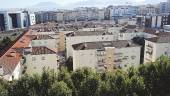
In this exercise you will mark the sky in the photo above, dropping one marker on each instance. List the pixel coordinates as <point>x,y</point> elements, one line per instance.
<point>73,3</point>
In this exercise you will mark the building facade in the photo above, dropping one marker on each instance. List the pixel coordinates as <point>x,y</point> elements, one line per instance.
<point>155,48</point>
<point>106,55</point>
<point>38,58</point>
<point>123,11</point>
<point>15,19</point>
<point>80,37</point>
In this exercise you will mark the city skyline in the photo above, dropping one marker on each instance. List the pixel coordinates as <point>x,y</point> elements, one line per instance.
<point>72,3</point>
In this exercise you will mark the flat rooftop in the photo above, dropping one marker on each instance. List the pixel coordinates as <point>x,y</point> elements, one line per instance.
<point>88,33</point>
<point>162,39</point>
<point>103,44</point>
<point>40,37</point>
<point>41,50</point>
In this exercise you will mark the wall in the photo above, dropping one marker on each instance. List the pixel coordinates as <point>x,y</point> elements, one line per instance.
<point>84,58</point>
<point>50,43</point>
<point>15,75</point>
<point>32,19</point>
<point>107,59</point>
<point>35,63</point>
<point>127,57</point>
<point>80,39</point>
<point>149,52</point>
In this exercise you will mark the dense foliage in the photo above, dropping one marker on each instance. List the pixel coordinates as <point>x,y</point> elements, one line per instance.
<point>148,80</point>
<point>4,44</point>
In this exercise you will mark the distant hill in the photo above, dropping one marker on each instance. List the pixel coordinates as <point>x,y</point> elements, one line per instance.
<point>45,6</point>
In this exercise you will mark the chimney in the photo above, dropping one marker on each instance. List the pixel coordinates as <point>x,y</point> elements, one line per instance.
<point>1,70</point>
<point>85,45</point>
<point>129,44</point>
<point>13,54</point>
<point>157,31</point>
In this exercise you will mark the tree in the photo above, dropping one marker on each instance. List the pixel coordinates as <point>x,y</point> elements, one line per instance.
<point>90,87</point>
<point>60,89</point>
<point>3,88</point>
<point>157,76</point>
<point>20,87</point>
<point>47,79</point>
<point>152,79</point>
<point>65,76</point>
<point>80,75</point>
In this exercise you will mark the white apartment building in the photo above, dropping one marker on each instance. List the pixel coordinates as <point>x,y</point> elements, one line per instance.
<point>59,16</point>
<point>156,47</point>
<point>32,19</point>
<point>43,40</point>
<point>164,7</point>
<point>123,11</point>
<point>38,58</point>
<point>80,37</point>
<point>70,15</point>
<point>148,10</point>
<point>101,14</point>
<point>106,55</point>
<point>92,29</point>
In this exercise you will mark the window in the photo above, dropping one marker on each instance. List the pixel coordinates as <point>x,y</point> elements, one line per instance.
<point>33,59</point>
<point>43,58</point>
<point>39,42</point>
<point>33,43</point>
<point>45,42</point>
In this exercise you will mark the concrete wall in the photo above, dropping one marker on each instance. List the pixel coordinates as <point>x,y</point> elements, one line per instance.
<point>32,19</point>
<point>150,54</point>
<point>36,63</point>
<point>111,58</point>
<point>127,57</point>
<point>50,43</point>
<point>84,58</point>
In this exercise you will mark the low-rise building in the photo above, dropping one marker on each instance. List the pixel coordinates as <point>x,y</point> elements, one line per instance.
<point>38,58</point>
<point>80,37</point>
<point>11,62</point>
<point>106,55</point>
<point>43,40</point>
<point>156,47</point>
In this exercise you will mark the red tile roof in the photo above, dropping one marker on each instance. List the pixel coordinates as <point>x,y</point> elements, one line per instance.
<point>11,57</point>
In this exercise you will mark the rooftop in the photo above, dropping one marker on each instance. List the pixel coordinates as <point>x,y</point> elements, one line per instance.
<point>156,32</point>
<point>103,44</point>
<point>161,39</point>
<point>10,59</point>
<point>88,33</point>
<point>42,50</point>
<point>40,37</point>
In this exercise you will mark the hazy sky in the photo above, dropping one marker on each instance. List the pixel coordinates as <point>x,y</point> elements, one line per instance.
<point>71,3</point>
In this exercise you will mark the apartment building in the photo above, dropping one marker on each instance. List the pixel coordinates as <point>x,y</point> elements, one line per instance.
<point>15,19</point>
<point>38,58</point>
<point>148,10</point>
<point>91,36</point>
<point>164,7</point>
<point>106,55</point>
<point>43,40</point>
<point>156,47</point>
<point>123,11</point>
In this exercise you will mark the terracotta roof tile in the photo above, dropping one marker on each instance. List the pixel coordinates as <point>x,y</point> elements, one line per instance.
<point>11,58</point>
